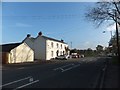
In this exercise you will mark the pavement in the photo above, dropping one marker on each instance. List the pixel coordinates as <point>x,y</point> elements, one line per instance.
<point>111,78</point>
<point>25,64</point>
<point>28,64</point>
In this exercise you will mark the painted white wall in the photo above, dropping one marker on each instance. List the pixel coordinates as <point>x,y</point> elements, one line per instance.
<point>40,48</point>
<point>43,49</point>
<point>22,53</point>
<point>53,49</point>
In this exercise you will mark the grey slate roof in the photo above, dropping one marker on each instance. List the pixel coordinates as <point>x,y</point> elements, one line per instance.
<point>53,39</point>
<point>45,37</point>
<point>8,47</point>
<point>32,39</point>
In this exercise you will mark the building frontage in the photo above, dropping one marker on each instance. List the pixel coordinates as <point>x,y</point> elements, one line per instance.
<point>16,53</point>
<point>46,48</point>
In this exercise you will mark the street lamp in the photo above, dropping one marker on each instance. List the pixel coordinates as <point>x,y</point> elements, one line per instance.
<point>110,33</point>
<point>111,38</point>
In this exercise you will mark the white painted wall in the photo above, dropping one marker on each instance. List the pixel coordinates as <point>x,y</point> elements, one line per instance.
<point>43,49</point>
<point>40,48</point>
<point>22,53</point>
<point>50,49</point>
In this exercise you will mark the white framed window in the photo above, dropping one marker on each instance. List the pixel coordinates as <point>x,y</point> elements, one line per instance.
<point>52,44</point>
<point>57,45</point>
<point>63,52</point>
<point>52,53</point>
<point>64,46</point>
<point>61,46</point>
<point>60,52</point>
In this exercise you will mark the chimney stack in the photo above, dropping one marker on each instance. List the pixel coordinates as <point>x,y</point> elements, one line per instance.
<point>62,40</point>
<point>40,33</point>
<point>28,35</point>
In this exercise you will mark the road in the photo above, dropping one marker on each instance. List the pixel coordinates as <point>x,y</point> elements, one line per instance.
<point>73,73</point>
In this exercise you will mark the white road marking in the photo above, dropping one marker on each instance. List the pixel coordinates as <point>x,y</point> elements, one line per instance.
<point>71,67</point>
<point>26,85</point>
<point>63,66</point>
<point>15,81</point>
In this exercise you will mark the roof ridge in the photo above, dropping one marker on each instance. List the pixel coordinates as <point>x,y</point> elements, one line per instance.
<point>8,47</point>
<point>53,39</point>
<point>11,43</point>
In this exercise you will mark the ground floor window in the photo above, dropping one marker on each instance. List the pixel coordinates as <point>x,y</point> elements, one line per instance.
<point>52,53</point>
<point>61,53</point>
<point>57,52</point>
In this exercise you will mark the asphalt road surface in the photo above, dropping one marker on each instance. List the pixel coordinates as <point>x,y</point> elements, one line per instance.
<point>73,73</point>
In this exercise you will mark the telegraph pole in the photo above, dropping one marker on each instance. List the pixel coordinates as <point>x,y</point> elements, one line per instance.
<point>71,44</point>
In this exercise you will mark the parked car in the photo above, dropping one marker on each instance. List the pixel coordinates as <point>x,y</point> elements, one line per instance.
<point>82,56</point>
<point>109,55</point>
<point>74,56</point>
<point>62,57</point>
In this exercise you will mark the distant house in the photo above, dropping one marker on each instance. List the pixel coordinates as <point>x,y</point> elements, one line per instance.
<point>46,48</point>
<point>16,53</point>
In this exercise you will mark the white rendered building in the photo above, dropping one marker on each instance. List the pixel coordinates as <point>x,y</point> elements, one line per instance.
<point>16,53</point>
<point>46,48</point>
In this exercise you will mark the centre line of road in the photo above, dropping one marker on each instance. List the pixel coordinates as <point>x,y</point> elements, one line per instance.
<point>63,66</point>
<point>26,85</point>
<point>15,81</point>
<point>71,67</point>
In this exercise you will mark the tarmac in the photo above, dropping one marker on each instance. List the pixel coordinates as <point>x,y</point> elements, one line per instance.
<point>111,77</point>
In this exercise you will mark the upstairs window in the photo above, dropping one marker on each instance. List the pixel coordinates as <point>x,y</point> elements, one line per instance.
<point>61,46</point>
<point>52,44</point>
<point>57,45</point>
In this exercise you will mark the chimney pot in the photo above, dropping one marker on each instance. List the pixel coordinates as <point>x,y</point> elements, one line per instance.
<point>40,33</point>
<point>62,40</point>
<point>28,35</point>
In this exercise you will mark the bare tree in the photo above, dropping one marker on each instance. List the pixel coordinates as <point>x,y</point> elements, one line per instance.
<point>104,11</point>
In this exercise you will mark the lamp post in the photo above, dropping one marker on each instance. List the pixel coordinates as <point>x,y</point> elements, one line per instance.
<point>110,37</point>
<point>71,44</point>
<point>110,33</point>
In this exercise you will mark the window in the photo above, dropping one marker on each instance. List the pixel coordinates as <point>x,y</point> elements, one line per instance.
<point>51,53</point>
<point>64,46</point>
<point>52,44</point>
<point>57,45</point>
<point>57,52</point>
<point>61,53</point>
<point>61,46</point>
